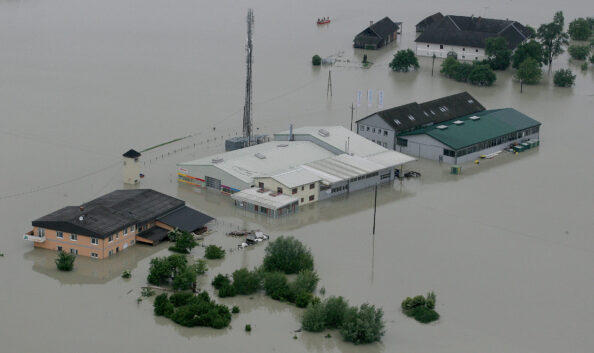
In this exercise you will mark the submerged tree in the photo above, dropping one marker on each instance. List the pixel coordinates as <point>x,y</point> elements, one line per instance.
<point>579,52</point>
<point>65,261</point>
<point>552,38</point>
<point>580,29</point>
<point>404,61</point>
<point>531,49</point>
<point>529,72</point>
<point>498,52</point>
<point>564,78</point>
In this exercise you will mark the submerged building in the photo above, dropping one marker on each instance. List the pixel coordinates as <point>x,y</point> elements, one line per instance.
<point>299,167</point>
<point>452,129</point>
<point>378,34</point>
<point>113,222</point>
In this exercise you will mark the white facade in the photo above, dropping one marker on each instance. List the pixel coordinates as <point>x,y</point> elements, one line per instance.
<point>442,50</point>
<point>131,170</point>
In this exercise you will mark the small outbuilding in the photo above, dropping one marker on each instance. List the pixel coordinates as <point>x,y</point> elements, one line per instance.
<point>378,34</point>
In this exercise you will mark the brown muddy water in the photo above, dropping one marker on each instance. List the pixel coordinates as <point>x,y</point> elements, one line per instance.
<point>508,246</point>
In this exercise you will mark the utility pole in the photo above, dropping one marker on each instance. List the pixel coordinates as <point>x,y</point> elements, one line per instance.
<point>521,86</point>
<point>329,89</point>
<point>374,208</point>
<point>247,108</point>
<point>352,113</point>
<point>433,65</point>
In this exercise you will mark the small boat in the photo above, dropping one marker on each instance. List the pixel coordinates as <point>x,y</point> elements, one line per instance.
<point>323,21</point>
<point>141,175</point>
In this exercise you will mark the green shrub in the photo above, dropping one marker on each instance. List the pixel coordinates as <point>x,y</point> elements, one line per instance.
<point>248,328</point>
<point>200,267</point>
<point>200,311</point>
<point>306,281</point>
<point>584,66</point>
<point>477,73</point>
<point>147,292</point>
<point>277,286</point>
<point>422,314</point>
<point>288,255</point>
<point>227,290</point>
<point>302,299</point>
<point>421,308</point>
<point>564,78</point>
<point>404,61</point>
<point>181,299</point>
<point>335,309</point>
<point>579,52</point>
<point>316,60</point>
<point>185,279</point>
<point>481,75</point>
<point>163,269</point>
<point>580,29</point>
<point>220,280</point>
<point>126,274</point>
<point>430,302</point>
<point>65,261</point>
<point>214,252</point>
<point>235,309</point>
<point>363,325</point>
<point>246,282</point>
<point>313,319</point>
<point>162,306</point>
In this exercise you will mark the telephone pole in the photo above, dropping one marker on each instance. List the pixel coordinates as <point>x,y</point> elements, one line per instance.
<point>374,209</point>
<point>329,89</point>
<point>352,113</point>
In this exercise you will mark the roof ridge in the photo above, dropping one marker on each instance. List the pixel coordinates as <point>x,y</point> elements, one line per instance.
<point>454,22</point>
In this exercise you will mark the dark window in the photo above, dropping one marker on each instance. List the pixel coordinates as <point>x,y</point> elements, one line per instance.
<point>427,45</point>
<point>279,190</point>
<point>449,153</point>
<point>311,198</point>
<point>477,50</point>
<point>401,142</point>
<point>463,49</point>
<point>302,187</point>
<point>302,200</point>
<point>441,46</point>
<point>385,133</point>
<point>312,186</point>
<point>294,191</point>
<point>261,185</point>
<point>59,248</point>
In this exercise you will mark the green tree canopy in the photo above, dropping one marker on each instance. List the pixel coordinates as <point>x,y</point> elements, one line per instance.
<point>363,325</point>
<point>498,52</point>
<point>65,261</point>
<point>316,60</point>
<point>564,78</point>
<point>481,75</point>
<point>288,255</point>
<point>404,61</point>
<point>552,38</point>
<point>531,49</point>
<point>529,71</point>
<point>214,252</point>
<point>184,241</point>
<point>579,52</point>
<point>580,29</point>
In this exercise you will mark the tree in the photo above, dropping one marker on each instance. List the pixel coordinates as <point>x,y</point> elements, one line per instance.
<point>313,319</point>
<point>529,72</point>
<point>65,261</point>
<point>552,38</point>
<point>363,325</point>
<point>185,279</point>
<point>162,306</point>
<point>174,268</point>
<point>288,255</point>
<point>335,309</point>
<point>277,286</point>
<point>481,75</point>
<point>316,60</point>
<point>404,60</point>
<point>564,78</point>
<point>184,241</point>
<point>306,281</point>
<point>246,282</point>
<point>498,53</point>
<point>214,252</point>
<point>592,59</point>
<point>364,58</point>
<point>531,49</point>
<point>579,29</point>
<point>579,52</point>
<point>531,31</point>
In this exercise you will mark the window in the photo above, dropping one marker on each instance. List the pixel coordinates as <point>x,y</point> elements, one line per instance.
<point>449,153</point>
<point>125,230</point>
<point>311,198</point>
<point>411,118</point>
<point>477,50</point>
<point>373,130</point>
<point>302,187</point>
<point>74,251</point>
<point>94,255</point>
<point>117,235</point>
<point>59,248</point>
<point>279,190</point>
<point>41,232</point>
<point>368,128</point>
<point>73,237</point>
<point>441,46</point>
<point>302,200</point>
<point>463,49</point>
<point>261,185</point>
<point>385,133</point>
<point>401,142</point>
<point>463,57</point>
<point>110,239</point>
<point>110,252</point>
<point>385,144</point>
<point>132,228</point>
<point>94,241</point>
<point>294,191</point>
<point>427,45</point>
<point>59,235</point>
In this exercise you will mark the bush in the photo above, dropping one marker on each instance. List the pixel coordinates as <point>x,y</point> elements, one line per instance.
<point>227,290</point>
<point>335,309</point>
<point>277,286</point>
<point>65,261</point>
<point>184,241</point>
<point>592,59</point>
<point>288,255</point>
<point>422,314</point>
<point>302,299</point>
<point>191,310</point>
<point>214,252</point>
<point>147,292</point>
<point>180,299</point>
<point>235,310</point>
<point>313,319</point>
<point>420,308</point>
<point>481,75</point>
<point>185,279</point>
<point>476,73</point>
<point>246,282</point>
<point>564,78</point>
<point>200,267</point>
<point>316,60</point>
<point>579,52</point>
<point>248,328</point>
<point>162,306</point>
<point>220,280</point>
<point>306,281</point>
<point>404,60</point>
<point>126,274</point>
<point>174,268</point>
<point>580,29</point>
<point>363,325</point>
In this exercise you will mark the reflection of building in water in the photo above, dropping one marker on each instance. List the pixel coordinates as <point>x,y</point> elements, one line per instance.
<point>299,167</point>
<point>111,223</point>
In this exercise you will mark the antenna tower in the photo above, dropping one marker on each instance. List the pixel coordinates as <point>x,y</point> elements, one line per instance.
<point>247,108</point>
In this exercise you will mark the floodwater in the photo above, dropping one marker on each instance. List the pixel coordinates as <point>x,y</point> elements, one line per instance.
<point>507,246</point>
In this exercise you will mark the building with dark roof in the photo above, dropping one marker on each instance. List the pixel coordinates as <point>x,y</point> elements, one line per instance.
<point>131,167</point>
<point>113,222</point>
<point>378,34</point>
<point>428,21</point>
<point>466,36</point>
<point>453,129</point>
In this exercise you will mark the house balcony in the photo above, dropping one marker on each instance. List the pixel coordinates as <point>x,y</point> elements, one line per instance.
<point>32,237</point>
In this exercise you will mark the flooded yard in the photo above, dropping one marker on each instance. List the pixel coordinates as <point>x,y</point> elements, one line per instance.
<point>507,246</point>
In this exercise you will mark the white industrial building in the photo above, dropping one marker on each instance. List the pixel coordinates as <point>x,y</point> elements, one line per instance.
<point>466,35</point>
<point>304,166</point>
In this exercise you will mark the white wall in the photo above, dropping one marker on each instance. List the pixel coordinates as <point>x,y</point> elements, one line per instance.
<point>375,129</point>
<point>441,51</point>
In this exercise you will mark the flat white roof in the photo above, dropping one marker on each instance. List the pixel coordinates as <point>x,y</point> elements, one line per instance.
<point>295,177</point>
<point>342,167</point>
<point>279,157</point>
<point>338,137</point>
<point>389,158</point>
<point>266,199</point>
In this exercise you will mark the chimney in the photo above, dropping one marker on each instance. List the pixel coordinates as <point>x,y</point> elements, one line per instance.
<point>82,208</point>
<point>291,138</point>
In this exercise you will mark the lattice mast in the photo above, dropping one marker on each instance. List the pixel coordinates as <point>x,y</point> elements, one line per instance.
<point>247,108</point>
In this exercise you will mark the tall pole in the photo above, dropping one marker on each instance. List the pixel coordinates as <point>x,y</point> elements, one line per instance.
<point>247,108</point>
<point>521,86</point>
<point>374,208</point>
<point>329,89</point>
<point>352,113</point>
<point>433,65</point>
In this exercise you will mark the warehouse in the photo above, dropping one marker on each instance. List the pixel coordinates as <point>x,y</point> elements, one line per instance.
<point>299,167</point>
<point>467,138</point>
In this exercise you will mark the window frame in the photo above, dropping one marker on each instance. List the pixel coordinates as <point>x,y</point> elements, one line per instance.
<point>73,237</point>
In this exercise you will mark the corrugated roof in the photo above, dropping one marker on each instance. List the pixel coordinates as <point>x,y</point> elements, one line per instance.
<point>266,199</point>
<point>492,124</point>
<point>295,177</point>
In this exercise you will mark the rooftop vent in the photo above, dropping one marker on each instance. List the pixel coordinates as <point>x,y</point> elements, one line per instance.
<point>442,127</point>
<point>81,218</point>
<point>432,112</point>
<point>324,132</point>
<point>458,122</point>
<point>427,115</point>
<point>260,155</point>
<point>475,117</point>
<point>470,101</point>
<point>81,208</point>
<point>217,160</point>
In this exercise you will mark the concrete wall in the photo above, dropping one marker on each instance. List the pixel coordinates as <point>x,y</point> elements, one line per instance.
<point>131,170</point>
<point>441,51</point>
<point>375,129</point>
<point>303,191</point>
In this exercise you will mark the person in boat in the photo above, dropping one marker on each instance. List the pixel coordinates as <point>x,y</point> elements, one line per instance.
<point>318,20</point>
